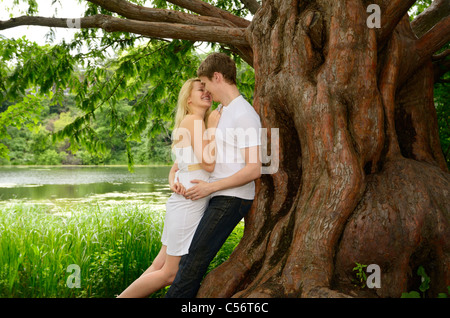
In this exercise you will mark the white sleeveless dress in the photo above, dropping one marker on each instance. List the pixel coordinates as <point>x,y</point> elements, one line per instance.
<point>183,215</point>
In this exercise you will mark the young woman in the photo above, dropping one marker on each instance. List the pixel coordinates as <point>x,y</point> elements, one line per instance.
<point>195,156</point>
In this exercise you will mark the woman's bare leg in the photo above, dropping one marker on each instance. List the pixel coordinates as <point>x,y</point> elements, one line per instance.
<point>153,281</point>
<point>158,262</point>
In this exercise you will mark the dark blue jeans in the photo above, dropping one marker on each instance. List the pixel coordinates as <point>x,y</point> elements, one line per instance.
<point>220,218</point>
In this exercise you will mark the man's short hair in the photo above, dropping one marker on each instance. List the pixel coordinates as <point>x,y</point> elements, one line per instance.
<point>221,63</point>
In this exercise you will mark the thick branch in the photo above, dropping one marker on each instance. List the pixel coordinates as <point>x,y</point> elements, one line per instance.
<point>424,48</point>
<point>251,5</point>
<point>206,9</point>
<point>434,39</point>
<point>391,14</point>
<point>438,10</point>
<point>135,12</point>
<point>87,22</point>
<point>224,35</point>
<point>441,56</point>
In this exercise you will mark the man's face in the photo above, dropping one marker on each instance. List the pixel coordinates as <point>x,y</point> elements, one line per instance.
<point>210,86</point>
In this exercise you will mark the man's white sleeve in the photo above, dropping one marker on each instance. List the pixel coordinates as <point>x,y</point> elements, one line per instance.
<point>248,130</point>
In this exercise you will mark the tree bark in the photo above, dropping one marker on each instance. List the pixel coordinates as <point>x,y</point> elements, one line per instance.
<point>135,12</point>
<point>362,177</point>
<point>438,10</point>
<point>206,9</point>
<point>251,5</point>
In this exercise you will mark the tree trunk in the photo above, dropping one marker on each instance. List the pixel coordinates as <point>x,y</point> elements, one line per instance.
<point>362,176</point>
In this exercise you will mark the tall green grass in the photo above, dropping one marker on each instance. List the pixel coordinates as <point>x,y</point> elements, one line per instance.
<point>111,245</point>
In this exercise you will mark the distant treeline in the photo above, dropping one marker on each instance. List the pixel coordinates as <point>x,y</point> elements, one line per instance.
<point>35,146</point>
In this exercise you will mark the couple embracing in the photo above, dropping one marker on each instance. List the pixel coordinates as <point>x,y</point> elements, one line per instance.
<point>212,179</point>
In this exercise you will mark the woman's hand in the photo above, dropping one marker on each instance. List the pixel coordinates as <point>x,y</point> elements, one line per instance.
<point>178,188</point>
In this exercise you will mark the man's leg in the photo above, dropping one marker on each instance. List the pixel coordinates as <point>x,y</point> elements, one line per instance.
<point>219,220</point>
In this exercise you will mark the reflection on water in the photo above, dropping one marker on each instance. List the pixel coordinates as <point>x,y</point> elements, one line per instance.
<point>62,186</point>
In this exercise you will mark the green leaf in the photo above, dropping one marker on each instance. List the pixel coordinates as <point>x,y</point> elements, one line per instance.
<point>425,285</point>
<point>412,294</point>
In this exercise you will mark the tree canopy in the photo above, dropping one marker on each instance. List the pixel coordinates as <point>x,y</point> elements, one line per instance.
<point>146,72</point>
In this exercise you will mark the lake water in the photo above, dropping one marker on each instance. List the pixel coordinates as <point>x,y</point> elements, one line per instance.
<point>62,186</point>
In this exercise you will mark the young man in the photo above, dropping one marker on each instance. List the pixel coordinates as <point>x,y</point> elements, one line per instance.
<point>231,185</point>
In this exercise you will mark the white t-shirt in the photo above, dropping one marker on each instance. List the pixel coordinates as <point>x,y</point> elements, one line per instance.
<point>239,127</point>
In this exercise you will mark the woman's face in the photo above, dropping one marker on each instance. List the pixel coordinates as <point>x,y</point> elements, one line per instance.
<point>200,96</point>
<point>210,86</point>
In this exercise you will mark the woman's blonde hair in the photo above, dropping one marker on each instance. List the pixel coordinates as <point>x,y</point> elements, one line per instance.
<point>183,108</point>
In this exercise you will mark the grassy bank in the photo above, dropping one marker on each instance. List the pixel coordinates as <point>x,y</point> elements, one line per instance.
<point>112,247</point>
